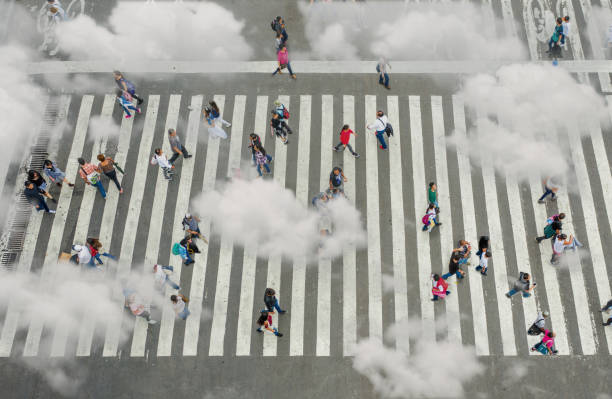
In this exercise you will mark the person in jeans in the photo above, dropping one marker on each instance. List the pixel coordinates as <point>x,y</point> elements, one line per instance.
<point>125,100</point>
<point>40,184</point>
<point>283,62</point>
<point>55,174</point>
<point>179,304</point>
<point>255,140</point>
<point>555,39</point>
<point>483,246</point>
<point>454,268</point>
<point>90,175</point>
<point>440,288</point>
<point>283,115</point>
<point>379,126</point>
<point>162,278</point>
<point>178,149</point>
<point>160,159</point>
<point>265,323</point>
<point>191,227</point>
<point>135,303</point>
<point>107,165</point>
<point>383,73</point>
<point>94,245</point>
<point>278,128</point>
<point>345,138</point>
<point>551,186</point>
<point>126,86</point>
<point>337,180</point>
<point>271,301</point>
<point>261,158</point>
<point>464,251</point>
<point>523,284</point>
<point>551,230</point>
<point>547,344</point>
<point>35,197</point>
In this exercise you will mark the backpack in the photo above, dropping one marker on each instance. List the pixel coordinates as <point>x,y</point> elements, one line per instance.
<point>549,231</point>
<point>388,128</point>
<point>425,219</point>
<point>286,113</point>
<point>176,249</point>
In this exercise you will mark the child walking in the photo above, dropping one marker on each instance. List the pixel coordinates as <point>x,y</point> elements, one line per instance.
<point>125,99</point>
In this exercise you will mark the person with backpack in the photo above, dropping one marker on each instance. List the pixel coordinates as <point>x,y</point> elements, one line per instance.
<point>430,220</point>
<point>440,288</point>
<point>55,174</point>
<point>180,250</point>
<point>91,175</point>
<point>551,230</point>
<point>523,284</point>
<point>277,127</point>
<point>283,115</point>
<point>539,325</point>
<point>265,323</point>
<point>337,179</point>
<point>179,304</point>
<point>283,62</point>
<point>160,159</point>
<point>546,345</point>
<point>126,86</point>
<point>383,73</point>
<point>125,100</point>
<point>82,256</point>
<point>345,138</point>
<point>381,126</point>
<point>40,183</point>
<point>555,218</point>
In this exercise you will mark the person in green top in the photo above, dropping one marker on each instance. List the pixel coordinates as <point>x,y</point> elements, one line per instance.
<point>556,36</point>
<point>432,194</point>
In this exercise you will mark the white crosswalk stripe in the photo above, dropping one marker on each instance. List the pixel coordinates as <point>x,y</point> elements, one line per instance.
<point>407,147</point>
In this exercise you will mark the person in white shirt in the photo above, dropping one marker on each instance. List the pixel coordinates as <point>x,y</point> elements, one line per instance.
<point>561,244</point>
<point>383,72</point>
<point>135,303</point>
<point>551,186</point>
<point>161,274</point>
<point>179,304</point>
<point>160,159</point>
<point>566,30</point>
<point>379,126</point>
<point>484,262</point>
<point>83,256</point>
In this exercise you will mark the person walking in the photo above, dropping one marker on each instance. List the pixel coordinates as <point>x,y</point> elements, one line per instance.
<point>94,245</point>
<point>283,62</point>
<point>337,180</point>
<point>178,149</point>
<point>380,127</point>
<point>484,263</point>
<point>40,184</point>
<point>261,158</point>
<point>255,140</point>
<point>551,186</point>
<point>440,288</point>
<point>559,217</point>
<point>90,175</point>
<point>35,198</point>
<point>539,325</point>
<point>134,302</point>
<point>278,26</point>
<point>551,230</point>
<point>107,165</point>
<point>179,304</point>
<point>283,115</point>
<point>454,268</point>
<point>126,86</point>
<point>430,220</point>
<point>566,30</point>
<point>546,345</point>
<point>216,114</point>
<point>556,36</point>
<point>265,323</point>
<point>191,226</point>
<point>271,301</point>
<point>160,159</point>
<point>213,129</point>
<point>432,195</point>
<point>82,256</point>
<point>523,284</point>
<point>607,308</point>
<point>55,174</point>
<point>162,278</point>
<point>483,246</point>
<point>180,250</point>
<point>345,138</point>
<point>383,72</point>
<point>125,100</point>
<point>277,127</point>
<point>464,251</point>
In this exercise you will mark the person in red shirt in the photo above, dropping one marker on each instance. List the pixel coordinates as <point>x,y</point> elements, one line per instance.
<point>440,288</point>
<point>345,137</point>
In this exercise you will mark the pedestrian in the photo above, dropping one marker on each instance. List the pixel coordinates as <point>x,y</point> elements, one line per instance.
<point>551,230</point>
<point>345,138</point>
<point>162,278</point>
<point>545,346</point>
<point>160,159</point>
<point>179,304</point>
<point>107,165</point>
<point>54,173</point>
<point>432,195</point>
<point>337,180</point>
<point>523,284</point>
<point>255,140</point>
<point>213,129</point>
<point>126,86</point>
<point>271,301</point>
<point>91,176</point>
<point>55,15</point>
<point>320,200</point>
<point>484,263</point>
<point>551,186</point>
<point>278,26</point>
<point>283,115</point>
<point>383,74</point>
<point>440,288</point>
<point>134,302</point>
<point>261,158</point>
<point>277,127</point>
<point>82,256</point>
<point>180,250</point>
<point>178,149</point>
<point>40,184</point>
<point>483,246</point>
<point>464,251</point>
<point>265,323</point>
<point>380,127</point>
<point>608,308</point>
<point>454,268</point>
<point>216,114</point>
<point>283,62</point>
<point>556,36</point>
<point>125,100</point>
<point>539,325</point>
<point>191,226</point>
<point>561,244</point>
<point>566,30</point>
<point>191,246</point>
<point>555,218</point>
<point>430,220</point>
<point>35,198</point>
<point>94,245</point>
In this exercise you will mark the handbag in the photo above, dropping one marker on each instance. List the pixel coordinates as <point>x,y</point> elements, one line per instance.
<point>93,178</point>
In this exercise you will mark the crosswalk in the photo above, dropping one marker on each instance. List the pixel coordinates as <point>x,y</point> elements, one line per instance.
<point>334,302</point>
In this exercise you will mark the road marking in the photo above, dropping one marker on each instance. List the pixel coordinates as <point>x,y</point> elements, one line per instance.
<point>453,315</point>
<point>349,259</point>
<point>479,319</point>
<point>249,263</point>
<point>113,329</point>
<point>11,321</point>
<point>595,41</point>
<point>373,226</point>
<point>298,285</point>
<point>508,14</point>
<point>325,264</point>
<point>59,220</point>
<point>190,137</point>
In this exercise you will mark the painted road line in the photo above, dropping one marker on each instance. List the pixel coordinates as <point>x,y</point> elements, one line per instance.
<point>481,335</point>
<point>373,225</point>
<point>190,137</point>
<point>398,233</point>
<point>325,264</point>
<point>114,327</point>
<point>298,285</point>
<point>453,319</point>
<point>274,261</point>
<point>59,220</point>
<point>595,40</point>
<point>349,259</point>
<point>508,14</point>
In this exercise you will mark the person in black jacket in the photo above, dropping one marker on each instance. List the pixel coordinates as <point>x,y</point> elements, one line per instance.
<point>271,302</point>
<point>33,195</point>
<point>483,246</point>
<point>551,230</point>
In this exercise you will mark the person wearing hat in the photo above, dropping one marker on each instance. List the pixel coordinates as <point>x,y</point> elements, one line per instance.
<point>283,115</point>
<point>539,324</point>
<point>191,227</point>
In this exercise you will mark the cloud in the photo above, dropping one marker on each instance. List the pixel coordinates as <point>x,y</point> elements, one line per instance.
<point>100,127</point>
<point>397,374</point>
<point>431,31</point>
<point>264,213</point>
<point>157,31</point>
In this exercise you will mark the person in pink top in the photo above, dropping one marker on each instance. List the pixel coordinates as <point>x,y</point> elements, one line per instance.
<point>283,62</point>
<point>547,344</point>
